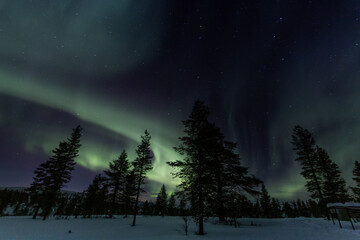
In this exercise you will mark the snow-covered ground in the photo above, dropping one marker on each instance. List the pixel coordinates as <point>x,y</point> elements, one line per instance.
<point>16,228</point>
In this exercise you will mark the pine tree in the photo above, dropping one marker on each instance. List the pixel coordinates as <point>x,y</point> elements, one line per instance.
<point>265,202</point>
<point>304,144</point>
<point>356,178</point>
<point>37,187</point>
<point>61,164</point>
<point>334,186</point>
<point>194,170</point>
<point>161,202</point>
<point>52,175</point>
<point>211,171</point>
<point>171,205</point>
<point>142,164</point>
<point>116,178</point>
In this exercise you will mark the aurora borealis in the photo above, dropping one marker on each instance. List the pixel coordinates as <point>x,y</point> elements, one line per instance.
<point>120,67</point>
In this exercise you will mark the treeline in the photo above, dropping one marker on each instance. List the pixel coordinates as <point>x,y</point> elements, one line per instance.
<point>17,203</point>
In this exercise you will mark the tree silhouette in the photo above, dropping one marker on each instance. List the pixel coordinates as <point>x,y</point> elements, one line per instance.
<point>304,145</point>
<point>333,184</point>
<point>171,209</point>
<point>194,170</point>
<point>265,201</point>
<point>52,175</point>
<point>211,172</point>
<point>161,202</point>
<point>142,164</point>
<point>116,180</point>
<point>95,201</point>
<point>129,192</point>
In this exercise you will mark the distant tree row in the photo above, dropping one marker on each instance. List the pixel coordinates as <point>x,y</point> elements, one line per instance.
<point>17,202</point>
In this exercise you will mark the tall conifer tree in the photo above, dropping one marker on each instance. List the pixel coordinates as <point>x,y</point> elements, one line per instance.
<point>304,145</point>
<point>194,170</point>
<point>116,178</point>
<point>333,184</point>
<point>142,164</point>
<point>52,175</point>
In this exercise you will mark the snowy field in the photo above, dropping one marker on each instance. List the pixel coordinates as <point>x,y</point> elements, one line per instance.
<point>16,228</point>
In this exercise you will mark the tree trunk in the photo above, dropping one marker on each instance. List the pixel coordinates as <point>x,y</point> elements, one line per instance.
<point>137,199</point>
<point>220,202</point>
<point>201,203</point>
<point>36,212</point>
<point>201,225</point>
<point>112,209</point>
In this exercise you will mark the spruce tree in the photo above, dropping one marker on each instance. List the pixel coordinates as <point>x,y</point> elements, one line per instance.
<point>304,145</point>
<point>141,165</point>
<point>194,170</point>
<point>356,178</point>
<point>52,175</point>
<point>116,180</point>
<point>265,202</point>
<point>211,171</point>
<point>161,202</point>
<point>334,186</point>
<point>37,187</point>
<point>171,205</point>
<point>61,164</point>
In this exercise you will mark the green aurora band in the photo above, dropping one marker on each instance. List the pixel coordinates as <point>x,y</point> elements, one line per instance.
<point>47,45</point>
<point>128,124</point>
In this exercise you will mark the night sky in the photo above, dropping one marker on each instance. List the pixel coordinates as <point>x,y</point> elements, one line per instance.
<point>120,67</point>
